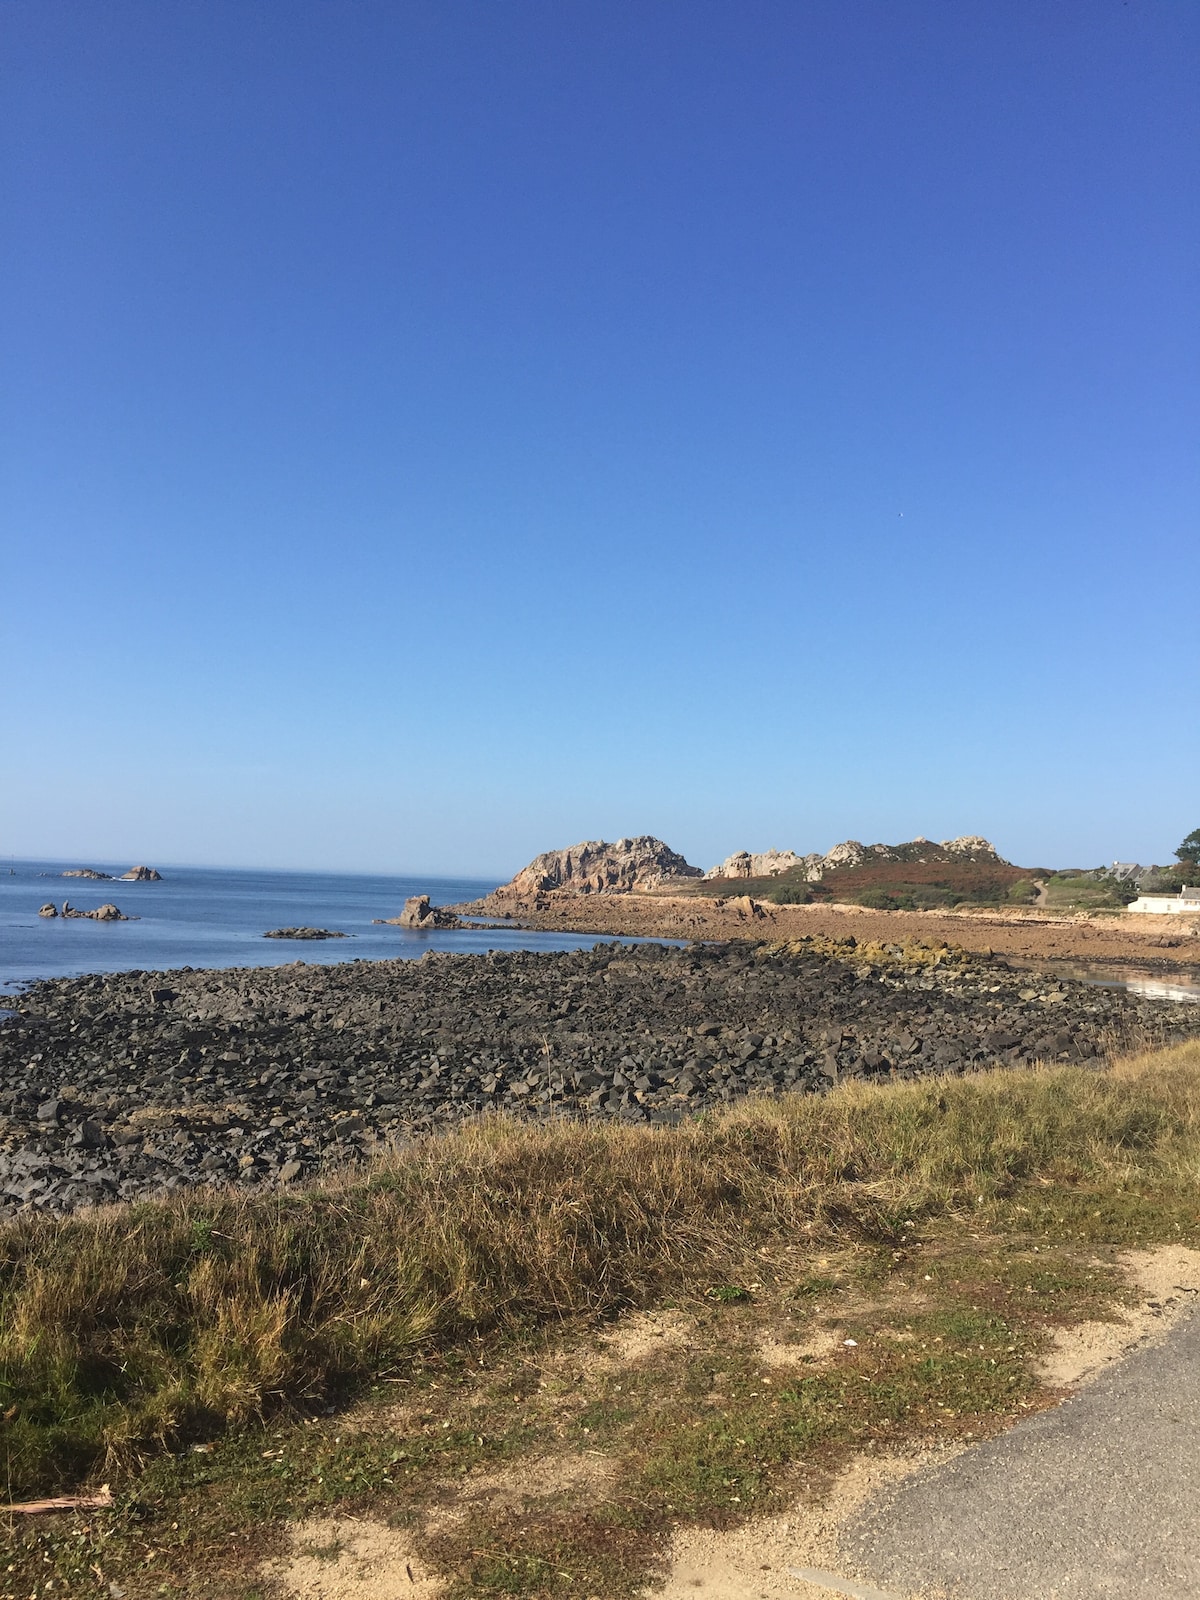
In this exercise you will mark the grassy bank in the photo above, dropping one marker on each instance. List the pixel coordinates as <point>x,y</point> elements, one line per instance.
<point>127,1333</point>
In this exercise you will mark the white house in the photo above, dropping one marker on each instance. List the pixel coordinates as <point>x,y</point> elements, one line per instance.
<point>1169,904</point>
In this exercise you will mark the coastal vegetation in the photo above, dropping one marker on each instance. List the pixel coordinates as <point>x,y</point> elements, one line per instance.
<point>907,884</point>
<point>902,1252</point>
<point>1087,891</point>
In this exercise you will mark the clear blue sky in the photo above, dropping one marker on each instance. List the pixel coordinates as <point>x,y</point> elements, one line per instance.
<point>434,432</point>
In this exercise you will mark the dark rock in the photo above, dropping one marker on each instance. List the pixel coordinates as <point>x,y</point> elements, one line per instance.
<point>294,1065</point>
<point>304,933</point>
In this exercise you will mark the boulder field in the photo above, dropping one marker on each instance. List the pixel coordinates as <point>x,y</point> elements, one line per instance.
<point>114,1087</point>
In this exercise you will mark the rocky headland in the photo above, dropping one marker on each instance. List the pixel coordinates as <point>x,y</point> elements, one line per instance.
<point>642,888</point>
<point>645,865</point>
<point>120,1086</point>
<point>850,853</point>
<point>596,867</point>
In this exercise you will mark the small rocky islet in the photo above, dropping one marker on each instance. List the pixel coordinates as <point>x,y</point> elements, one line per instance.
<point>122,1086</point>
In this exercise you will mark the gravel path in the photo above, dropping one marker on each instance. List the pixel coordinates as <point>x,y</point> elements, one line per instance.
<point>130,1084</point>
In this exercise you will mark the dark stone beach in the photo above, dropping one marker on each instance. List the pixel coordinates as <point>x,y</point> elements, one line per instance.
<point>121,1086</point>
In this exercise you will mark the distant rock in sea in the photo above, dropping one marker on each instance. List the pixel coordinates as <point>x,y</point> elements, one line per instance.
<point>141,875</point>
<point>304,933</point>
<point>85,872</point>
<point>105,913</point>
<point>419,912</point>
<point>597,867</point>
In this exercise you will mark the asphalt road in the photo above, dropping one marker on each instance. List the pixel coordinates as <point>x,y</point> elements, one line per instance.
<point>1098,1498</point>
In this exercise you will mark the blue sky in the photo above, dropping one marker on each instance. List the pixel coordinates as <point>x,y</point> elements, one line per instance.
<point>437,432</point>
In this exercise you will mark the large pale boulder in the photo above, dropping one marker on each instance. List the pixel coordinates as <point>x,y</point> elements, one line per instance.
<point>759,864</point>
<point>107,913</point>
<point>597,867</point>
<point>970,844</point>
<point>848,854</point>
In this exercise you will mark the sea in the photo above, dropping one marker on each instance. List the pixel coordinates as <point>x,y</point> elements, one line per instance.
<point>217,916</point>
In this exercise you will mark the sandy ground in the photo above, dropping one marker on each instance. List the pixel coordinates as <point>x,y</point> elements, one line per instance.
<point>1153,942</point>
<point>766,1558</point>
<point>1169,1279</point>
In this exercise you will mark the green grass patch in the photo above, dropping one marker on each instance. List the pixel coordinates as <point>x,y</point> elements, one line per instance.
<point>460,1266</point>
<point>1071,891</point>
<point>124,1333</point>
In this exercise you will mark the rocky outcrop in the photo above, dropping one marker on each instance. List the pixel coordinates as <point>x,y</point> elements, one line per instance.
<point>745,907</point>
<point>105,913</point>
<point>141,875</point>
<point>847,854</point>
<point>767,864</point>
<point>420,912</point>
<point>86,872</point>
<point>304,933</point>
<point>974,848</point>
<point>597,867</point>
<point>850,853</point>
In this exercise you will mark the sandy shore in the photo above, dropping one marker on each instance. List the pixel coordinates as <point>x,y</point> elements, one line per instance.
<point>1154,942</point>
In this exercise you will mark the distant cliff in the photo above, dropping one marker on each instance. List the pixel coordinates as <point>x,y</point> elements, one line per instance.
<point>597,867</point>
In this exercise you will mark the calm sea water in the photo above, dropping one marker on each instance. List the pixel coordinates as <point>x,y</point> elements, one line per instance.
<point>216,917</point>
<point>213,917</point>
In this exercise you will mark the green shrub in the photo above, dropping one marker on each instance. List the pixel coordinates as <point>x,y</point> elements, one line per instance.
<point>790,894</point>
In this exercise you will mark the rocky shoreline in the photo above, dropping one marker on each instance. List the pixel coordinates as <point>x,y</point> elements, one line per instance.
<point>121,1086</point>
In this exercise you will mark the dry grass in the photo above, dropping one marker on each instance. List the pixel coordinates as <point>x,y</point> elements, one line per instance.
<point>127,1331</point>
